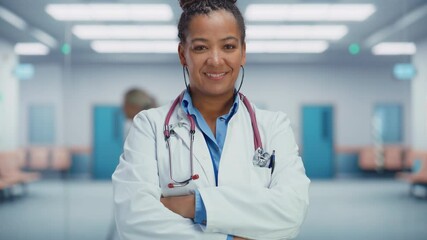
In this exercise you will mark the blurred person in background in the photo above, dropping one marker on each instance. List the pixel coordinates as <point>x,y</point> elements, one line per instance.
<point>136,100</point>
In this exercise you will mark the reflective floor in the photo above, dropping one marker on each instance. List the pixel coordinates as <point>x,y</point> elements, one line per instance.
<point>340,209</point>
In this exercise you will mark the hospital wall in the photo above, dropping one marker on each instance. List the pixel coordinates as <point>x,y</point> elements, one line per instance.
<point>419,99</point>
<point>45,88</point>
<point>9,104</point>
<point>352,89</point>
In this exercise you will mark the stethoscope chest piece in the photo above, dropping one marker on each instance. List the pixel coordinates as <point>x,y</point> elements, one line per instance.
<point>264,159</point>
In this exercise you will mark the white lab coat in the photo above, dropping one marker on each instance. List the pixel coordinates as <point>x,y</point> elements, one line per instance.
<point>248,201</point>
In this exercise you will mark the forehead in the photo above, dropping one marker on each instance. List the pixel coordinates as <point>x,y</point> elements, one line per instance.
<point>218,23</point>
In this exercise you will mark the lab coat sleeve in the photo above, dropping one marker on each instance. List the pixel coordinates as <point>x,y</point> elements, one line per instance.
<point>276,212</point>
<point>138,211</point>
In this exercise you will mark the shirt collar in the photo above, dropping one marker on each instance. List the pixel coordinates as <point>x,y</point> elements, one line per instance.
<point>188,107</point>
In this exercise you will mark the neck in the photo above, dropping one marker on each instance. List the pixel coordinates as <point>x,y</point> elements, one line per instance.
<point>211,107</point>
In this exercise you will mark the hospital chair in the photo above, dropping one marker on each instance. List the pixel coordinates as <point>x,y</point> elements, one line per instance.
<point>417,176</point>
<point>11,173</point>
<point>7,168</point>
<point>392,156</point>
<point>411,155</point>
<point>60,160</point>
<point>367,158</point>
<point>21,159</point>
<point>4,190</point>
<point>38,158</point>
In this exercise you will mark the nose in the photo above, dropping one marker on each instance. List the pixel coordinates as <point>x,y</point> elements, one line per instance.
<point>215,57</point>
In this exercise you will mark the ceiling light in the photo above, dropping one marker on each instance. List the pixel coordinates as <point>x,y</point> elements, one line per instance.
<point>400,25</point>
<point>394,48</point>
<point>31,49</point>
<point>328,32</point>
<point>135,46</point>
<point>12,19</point>
<point>309,12</point>
<point>125,32</point>
<point>110,12</point>
<point>286,46</point>
<point>44,37</point>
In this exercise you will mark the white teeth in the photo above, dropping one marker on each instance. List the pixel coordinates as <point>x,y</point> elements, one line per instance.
<point>215,75</point>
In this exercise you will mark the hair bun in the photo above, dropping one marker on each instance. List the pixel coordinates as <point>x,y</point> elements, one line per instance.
<point>186,4</point>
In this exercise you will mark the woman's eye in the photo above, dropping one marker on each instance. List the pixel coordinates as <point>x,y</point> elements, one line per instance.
<point>199,48</point>
<point>229,46</point>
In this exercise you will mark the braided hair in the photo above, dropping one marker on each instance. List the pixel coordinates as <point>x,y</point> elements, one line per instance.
<point>196,7</point>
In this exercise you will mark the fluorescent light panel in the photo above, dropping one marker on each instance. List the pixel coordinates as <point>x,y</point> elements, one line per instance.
<point>110,12</point>
<point>44,37</point>
<point>309,12</point>
<point>327,32</point>
<point>135,46</point>
<point>125,32</point>
<point>12,19</point>
<point>394,48</point>
<point>286,46</point>
<point>31,49</point>
<point>20,23</point>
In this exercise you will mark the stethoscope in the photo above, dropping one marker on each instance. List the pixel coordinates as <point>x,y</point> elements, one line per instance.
<point>261,158</point>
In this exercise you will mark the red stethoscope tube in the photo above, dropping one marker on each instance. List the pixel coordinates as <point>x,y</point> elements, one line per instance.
<point>167,133</point>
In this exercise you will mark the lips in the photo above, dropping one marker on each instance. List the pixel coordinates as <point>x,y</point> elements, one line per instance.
<point>216,76</point>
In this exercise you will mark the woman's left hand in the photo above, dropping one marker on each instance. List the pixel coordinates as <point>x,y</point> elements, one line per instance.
<point>182,205</point>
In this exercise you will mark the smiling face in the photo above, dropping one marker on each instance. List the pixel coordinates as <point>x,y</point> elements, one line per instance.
<point>213,52</point>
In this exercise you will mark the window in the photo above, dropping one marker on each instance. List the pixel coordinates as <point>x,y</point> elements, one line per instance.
<point>387,123</point>
<point>41,124</point>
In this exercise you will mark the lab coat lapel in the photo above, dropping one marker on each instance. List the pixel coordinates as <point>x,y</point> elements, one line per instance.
<point>200,148</point>
<point>203,157</point>
<point>238,150</point>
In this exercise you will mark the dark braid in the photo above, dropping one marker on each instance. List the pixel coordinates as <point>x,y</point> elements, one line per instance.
<point>192,8</point>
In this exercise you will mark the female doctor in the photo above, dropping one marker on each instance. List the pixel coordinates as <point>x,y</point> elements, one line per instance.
<point>210,165</point>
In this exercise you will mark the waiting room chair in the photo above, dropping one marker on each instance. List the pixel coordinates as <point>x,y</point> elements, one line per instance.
<point>417,176</point>
<point>60,160</point>
<point>38,158</point>
<point>393,157</point>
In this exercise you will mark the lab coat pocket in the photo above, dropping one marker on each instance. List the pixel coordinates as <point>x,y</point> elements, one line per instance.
<point>261,176</point>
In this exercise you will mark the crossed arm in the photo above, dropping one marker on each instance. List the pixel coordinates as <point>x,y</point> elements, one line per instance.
<point>184,206</point>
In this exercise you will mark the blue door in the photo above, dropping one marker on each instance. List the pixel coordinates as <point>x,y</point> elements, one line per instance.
<point>318,148</point>
<point>107,141</point>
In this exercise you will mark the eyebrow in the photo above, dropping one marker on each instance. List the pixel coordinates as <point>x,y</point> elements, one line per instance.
<point>205,40</point>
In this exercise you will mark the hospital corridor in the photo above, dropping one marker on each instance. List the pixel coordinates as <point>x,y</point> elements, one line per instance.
<point>336,86</point>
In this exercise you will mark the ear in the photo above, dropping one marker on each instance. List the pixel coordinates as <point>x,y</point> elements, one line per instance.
<point>181,54</point>
<point>243,61</point>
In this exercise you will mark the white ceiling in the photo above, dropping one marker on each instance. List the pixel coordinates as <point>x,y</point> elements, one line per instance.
<point>384,25</point>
